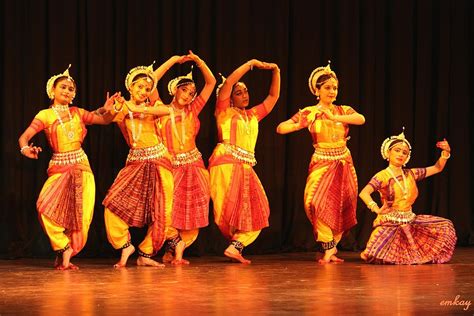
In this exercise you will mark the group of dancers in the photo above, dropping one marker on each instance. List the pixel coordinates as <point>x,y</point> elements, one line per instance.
<point>166,186</point>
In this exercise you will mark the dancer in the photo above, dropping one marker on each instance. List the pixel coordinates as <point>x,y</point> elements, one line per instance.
<point>66,201</point>
<point>400,236</point>
<point>330,196</point>
<point>241,206</point>
<point>191,178</point>
<point>142,193</point>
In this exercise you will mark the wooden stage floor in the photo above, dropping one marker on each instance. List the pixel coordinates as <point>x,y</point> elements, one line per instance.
<point>280,284</point>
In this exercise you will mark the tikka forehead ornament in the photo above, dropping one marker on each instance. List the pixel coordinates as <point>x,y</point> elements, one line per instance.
<point>388,144</point>
<point>141,70</point>
<point>50,83</point>
<point>173,84</point>
<point>318,72</point>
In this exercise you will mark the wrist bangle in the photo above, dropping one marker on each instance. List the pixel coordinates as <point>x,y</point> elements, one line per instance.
<point>99,111</point>
<point>115,107</point>
<point>200,64</point>
<point>23,148</point>
<point>250,65</point>
<point>445,157</point>
<point>371,205</point>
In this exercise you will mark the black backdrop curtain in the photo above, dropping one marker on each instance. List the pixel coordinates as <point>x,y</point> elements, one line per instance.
<point>400,63</point>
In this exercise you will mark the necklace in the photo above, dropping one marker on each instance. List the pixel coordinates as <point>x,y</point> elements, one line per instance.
<point>135,134</point>
<point>246,121</point>
<point>181,139</point>
<point>61,107</point>
<point>332,124</point>
<point>69,133</point>
<point>404,188</point>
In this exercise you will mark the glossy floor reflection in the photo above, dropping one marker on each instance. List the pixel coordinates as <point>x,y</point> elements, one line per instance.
<point>273,284</point>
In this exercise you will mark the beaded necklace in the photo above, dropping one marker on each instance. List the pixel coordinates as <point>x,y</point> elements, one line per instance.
<point>246,121</point>
<point>404,188</point>
<point>181,139</point>
<point>69,133</point>
<point>135,134</point>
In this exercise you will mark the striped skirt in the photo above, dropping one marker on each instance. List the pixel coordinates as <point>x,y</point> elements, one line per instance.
<point>426,239</point>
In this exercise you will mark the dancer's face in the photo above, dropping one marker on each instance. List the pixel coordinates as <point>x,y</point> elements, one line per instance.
<point>141,90</point>
<point>64,91</point>
<point>185,94</point>
<point>328,91</point>
<point>398,154</point>
<point>240,95</point>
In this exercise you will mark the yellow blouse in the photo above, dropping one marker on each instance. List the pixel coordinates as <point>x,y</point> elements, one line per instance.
<point>239,127</point>
<point>138,129</point>
<point>67,136</point>
<point>400,194</point>
<point>325,132</point>
<point>180,135</point>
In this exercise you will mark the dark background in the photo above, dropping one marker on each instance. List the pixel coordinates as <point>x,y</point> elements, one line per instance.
<point>400,63</point>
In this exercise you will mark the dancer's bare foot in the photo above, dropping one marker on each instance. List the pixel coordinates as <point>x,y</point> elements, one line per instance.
<point>126,253</point>
<point>179,262</point>
<point>363,256</point>
<point>178,254</point>
<point>67,257</point>
<point>69,267</point>
<point>167,257</point>
<point>330,256</point>
<point>232,253</point>
<point>336,259</point>
<point>63,262</point>
<point>148,262</point>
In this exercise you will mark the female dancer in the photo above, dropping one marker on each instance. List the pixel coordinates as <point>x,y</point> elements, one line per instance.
<point>66,201</point>
<point>241,207</point>
<point>400,236</point>
<point>191,178</point>
<point>142,193</point>
<point>331,187</point>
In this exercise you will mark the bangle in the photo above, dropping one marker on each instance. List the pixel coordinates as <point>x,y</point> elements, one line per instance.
<point>115,107</point>
<point>200,64</point>
<point>445,157</point>
<point>23,148</point>
<point>99,111</point>
<point>371,205</point>
<point>250,65</point>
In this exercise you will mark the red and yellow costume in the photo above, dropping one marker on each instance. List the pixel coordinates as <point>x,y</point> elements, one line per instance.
<point>143,190</point>
<point>241,206</point>
<point>66,201</point>
<point>401,236</point>
<point>330,196</point>
<point>191,178</point>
